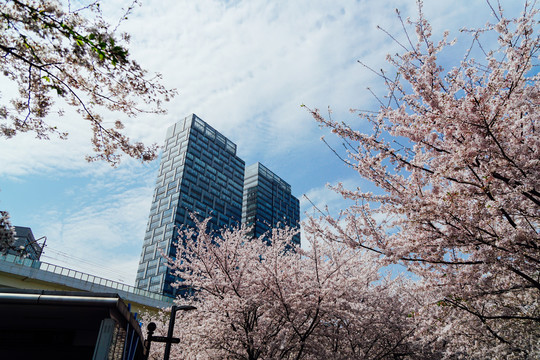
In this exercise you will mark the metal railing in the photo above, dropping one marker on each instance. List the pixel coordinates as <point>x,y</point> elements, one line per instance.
<point>60,270</point>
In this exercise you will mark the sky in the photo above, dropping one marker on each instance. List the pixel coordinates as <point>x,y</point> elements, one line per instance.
<point>244,67</point>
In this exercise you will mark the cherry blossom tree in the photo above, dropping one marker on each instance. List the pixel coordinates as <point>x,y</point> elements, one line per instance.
<point>257,300</point>
<point>456,155</point>
<point>7,232</point>
<point>52,51</point>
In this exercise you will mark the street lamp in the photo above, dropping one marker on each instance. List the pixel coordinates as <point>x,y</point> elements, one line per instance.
<point>171,327</point>
<point>168,340</point>
<point>151,328</point>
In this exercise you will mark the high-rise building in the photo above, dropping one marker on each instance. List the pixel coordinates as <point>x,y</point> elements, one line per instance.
<point>199,172</point>
<point>267,202</point>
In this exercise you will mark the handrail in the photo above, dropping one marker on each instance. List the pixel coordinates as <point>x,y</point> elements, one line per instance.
<point>75,274</point>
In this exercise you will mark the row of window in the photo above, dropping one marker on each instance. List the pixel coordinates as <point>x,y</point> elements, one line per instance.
<point>205,132</point>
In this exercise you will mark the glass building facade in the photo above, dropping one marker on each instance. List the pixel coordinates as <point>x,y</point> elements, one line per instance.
<point>200,173</point>
<point>267,202</point>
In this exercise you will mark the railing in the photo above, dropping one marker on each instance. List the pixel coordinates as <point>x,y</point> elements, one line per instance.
<point>60,270</point>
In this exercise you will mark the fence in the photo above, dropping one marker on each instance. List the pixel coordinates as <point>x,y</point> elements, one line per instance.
<point>60,270</point>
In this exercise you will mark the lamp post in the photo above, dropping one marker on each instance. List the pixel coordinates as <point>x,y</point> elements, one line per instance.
<point>169,339</point>
<point>151,328</point>
<point>171,327</point>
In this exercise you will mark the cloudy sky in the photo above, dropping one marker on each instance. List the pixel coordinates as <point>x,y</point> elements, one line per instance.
<point>245,67</point>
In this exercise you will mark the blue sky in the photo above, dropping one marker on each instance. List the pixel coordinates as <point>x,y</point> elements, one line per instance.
<point>245,67</point>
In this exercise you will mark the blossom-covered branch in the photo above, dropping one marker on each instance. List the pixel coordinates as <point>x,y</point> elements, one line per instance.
<point>49,52</point>
<point>262,299</point>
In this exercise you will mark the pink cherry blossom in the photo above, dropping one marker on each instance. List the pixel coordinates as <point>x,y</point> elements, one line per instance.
<point>461,194</point>
<point>261,301</point>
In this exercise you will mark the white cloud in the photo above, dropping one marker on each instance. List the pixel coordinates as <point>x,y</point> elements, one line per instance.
<point>102,237</point>
<point>324,198</point>
<point>247,66</point>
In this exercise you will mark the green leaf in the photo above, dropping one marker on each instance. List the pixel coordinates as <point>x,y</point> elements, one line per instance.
<point>59,90</point>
